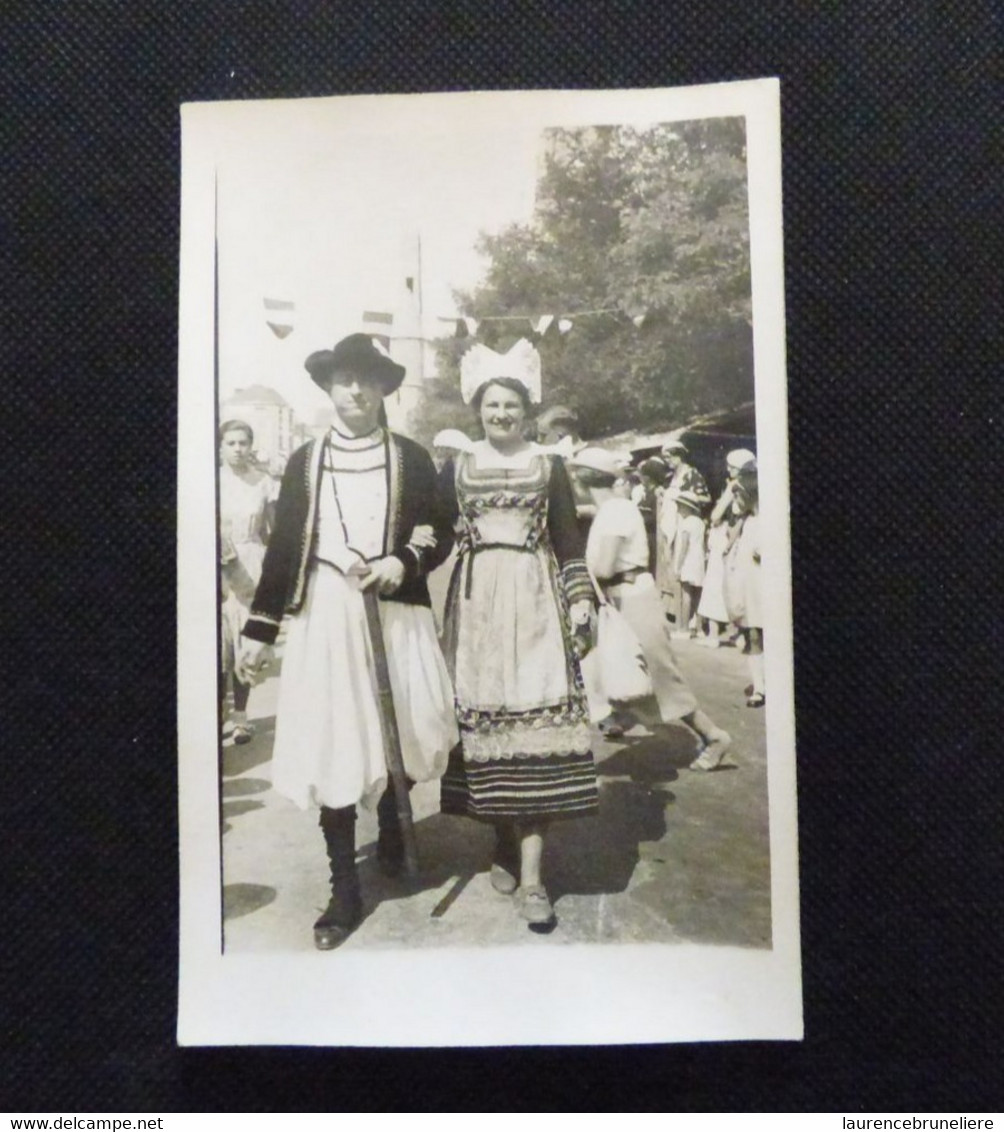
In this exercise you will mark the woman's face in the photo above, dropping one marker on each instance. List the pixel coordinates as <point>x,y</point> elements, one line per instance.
<point>236,447</point>
<point>356,401</point>
<point>502,416</point>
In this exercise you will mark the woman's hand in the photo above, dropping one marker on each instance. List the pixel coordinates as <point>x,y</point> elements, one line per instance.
<point>581,616</point>
<point>253,659</point>
<point>386,575</point>
<point>580,612</point>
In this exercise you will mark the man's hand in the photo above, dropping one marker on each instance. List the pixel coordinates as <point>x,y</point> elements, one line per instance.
<point>386,575</point>
<point>423,537</point>
<point>253,659</point>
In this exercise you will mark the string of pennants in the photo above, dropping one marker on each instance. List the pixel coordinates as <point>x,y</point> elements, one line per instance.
<point>467,327</point>
<point>280,317</point>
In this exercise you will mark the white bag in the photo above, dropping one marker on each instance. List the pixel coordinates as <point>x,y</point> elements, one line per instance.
<point>621,664</point>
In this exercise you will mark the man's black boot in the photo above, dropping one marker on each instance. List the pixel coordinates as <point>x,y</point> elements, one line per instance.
<point>344,912</point>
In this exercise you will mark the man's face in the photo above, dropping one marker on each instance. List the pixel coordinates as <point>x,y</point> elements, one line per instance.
<point>356,399</point>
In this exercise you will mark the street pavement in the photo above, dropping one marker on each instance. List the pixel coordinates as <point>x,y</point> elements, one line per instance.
<point>672,856</point>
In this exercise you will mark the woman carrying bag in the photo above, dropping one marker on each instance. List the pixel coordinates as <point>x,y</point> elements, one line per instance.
<point>617,556</point>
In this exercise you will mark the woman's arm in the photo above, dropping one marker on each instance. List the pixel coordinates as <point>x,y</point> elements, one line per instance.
<point>429,541</point>
<point>566,537</point>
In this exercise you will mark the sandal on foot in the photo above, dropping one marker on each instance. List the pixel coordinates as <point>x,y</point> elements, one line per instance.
<point>534,905</point>
<point>242,733</point>
<point>758,699</point>
<point>713,752</point>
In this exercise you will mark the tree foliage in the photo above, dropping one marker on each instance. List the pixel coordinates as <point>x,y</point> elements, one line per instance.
<point>647,222</point>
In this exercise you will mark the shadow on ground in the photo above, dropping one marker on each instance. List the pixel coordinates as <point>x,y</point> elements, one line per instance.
<point>240,759</point>
<point>242,899</point>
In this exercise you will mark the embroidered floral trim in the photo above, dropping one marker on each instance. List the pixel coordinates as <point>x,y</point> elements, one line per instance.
<point>525,742</point>
<point>569,711</point>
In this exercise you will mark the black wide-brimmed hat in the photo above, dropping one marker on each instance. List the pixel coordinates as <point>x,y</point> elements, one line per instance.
<point>358,354</point>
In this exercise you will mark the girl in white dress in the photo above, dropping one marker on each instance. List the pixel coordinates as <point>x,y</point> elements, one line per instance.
<point>245,520</point>
<point>742,579</point>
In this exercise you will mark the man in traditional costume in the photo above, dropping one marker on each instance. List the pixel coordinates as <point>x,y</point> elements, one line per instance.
<point>357,511</point>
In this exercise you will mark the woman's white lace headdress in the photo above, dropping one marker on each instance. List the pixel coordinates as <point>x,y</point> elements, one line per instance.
<point>481,364</point>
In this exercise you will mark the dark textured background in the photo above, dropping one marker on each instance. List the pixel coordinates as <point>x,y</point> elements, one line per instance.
<point>893,220</point>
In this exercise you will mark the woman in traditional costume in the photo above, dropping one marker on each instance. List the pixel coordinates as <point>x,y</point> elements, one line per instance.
<point>245,521</point>
<point>357,511</point>
<point>518,607</point>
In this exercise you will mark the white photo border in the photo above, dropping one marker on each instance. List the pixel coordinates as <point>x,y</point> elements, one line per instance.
<point>573,994</point>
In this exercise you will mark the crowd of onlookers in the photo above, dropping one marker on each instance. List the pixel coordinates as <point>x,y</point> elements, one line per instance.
<point>705,552</point>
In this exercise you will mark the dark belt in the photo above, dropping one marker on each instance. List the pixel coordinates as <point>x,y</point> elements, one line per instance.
<point>471,551</point>
<point>625,577</point>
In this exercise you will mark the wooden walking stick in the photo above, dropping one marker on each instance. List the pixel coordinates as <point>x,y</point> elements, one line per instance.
<point>391,736</point>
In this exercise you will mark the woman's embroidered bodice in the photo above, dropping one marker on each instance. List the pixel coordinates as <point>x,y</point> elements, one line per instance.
<point>502,506</point>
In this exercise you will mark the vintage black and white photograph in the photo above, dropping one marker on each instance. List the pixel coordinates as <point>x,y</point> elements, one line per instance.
<point>486,717</point>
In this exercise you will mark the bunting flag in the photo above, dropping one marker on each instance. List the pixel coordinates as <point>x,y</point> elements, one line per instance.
<point>280,315</point>
<point>490,324</point>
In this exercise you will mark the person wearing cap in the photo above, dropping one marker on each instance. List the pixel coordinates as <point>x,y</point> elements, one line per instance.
<point>518,609</point>
<point>683,478</point>
<point>688,557</point>
<point>617,555</point>
<point>723,528</point>
<point>356,511</point>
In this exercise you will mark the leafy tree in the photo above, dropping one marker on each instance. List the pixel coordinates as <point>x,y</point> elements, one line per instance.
<point>632,222</point>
